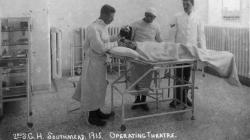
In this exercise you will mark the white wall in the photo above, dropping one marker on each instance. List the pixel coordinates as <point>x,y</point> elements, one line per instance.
<point>201,6</point>
<point>69,15</point>
<point>38,11</point>
<point>215,14</point>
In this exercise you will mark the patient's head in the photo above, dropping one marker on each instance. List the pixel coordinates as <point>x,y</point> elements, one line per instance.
<point>126,36</point>
<point>126,32</point>
<point>127,43</point>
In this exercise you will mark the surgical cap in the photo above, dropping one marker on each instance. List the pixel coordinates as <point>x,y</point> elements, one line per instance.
<point>151,10</point>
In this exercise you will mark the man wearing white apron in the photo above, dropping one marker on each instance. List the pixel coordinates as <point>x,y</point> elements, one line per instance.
<point>91,89</point>
<point>145,29</point>
<point>188,31</point>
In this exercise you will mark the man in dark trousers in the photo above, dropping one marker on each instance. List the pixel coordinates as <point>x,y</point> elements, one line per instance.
<point>188,31</point>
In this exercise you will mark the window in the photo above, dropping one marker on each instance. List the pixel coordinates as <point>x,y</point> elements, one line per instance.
<point>231,9</point>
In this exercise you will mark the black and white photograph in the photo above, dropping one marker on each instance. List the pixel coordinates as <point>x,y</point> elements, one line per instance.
<point>124,70</point>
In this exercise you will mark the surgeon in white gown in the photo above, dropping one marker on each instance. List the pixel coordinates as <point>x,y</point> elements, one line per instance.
<point>91,89</point>
<point>146,29</point>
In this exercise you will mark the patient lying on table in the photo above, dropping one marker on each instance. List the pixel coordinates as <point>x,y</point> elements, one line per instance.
<point>222,62</point>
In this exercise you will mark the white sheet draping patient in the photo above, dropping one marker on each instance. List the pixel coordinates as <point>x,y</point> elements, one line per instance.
<point>221,61</point>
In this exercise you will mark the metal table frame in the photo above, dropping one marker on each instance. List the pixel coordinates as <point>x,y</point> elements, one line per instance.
<point>156,90</point>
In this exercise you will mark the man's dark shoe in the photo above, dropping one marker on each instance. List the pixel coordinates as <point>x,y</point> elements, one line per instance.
<point>189,103</point>
<point>102,115</point>
<point>137,100</point>
<point>93,119</point>
<point>145,107</point>
<point>173,104</point>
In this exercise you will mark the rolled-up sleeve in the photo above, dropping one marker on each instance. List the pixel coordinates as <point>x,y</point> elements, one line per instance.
<point>96,42</point>
<point>133,26</point>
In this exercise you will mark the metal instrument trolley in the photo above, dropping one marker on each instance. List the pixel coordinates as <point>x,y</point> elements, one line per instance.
<point>157,89</point>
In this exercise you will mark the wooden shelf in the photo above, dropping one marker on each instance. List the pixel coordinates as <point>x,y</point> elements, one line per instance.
<point>15,68</point>
<point>16,30</point>
<point>15,44</point>
<point>11,58</point>
<point>13,92</point>
<point>16,98</point>
<point>15,95</point>
<point>9,87</point>
<point>14,73</point>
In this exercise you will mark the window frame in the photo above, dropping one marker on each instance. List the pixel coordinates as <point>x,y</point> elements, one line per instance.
<point>231,15</point>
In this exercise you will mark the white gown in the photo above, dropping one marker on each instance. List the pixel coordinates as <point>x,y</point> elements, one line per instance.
<point>91,89</point>
<point>142,32</point>
<point>189,30</point>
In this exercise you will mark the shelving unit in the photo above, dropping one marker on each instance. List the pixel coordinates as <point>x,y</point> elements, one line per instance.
<point>15,83</point>
<point>76,58</point>
<point>76,49</point>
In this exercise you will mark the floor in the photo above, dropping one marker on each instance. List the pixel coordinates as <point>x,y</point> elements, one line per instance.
<point>222,112</point>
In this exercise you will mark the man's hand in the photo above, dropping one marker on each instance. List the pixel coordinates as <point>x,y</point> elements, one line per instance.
<point>127,43</point>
